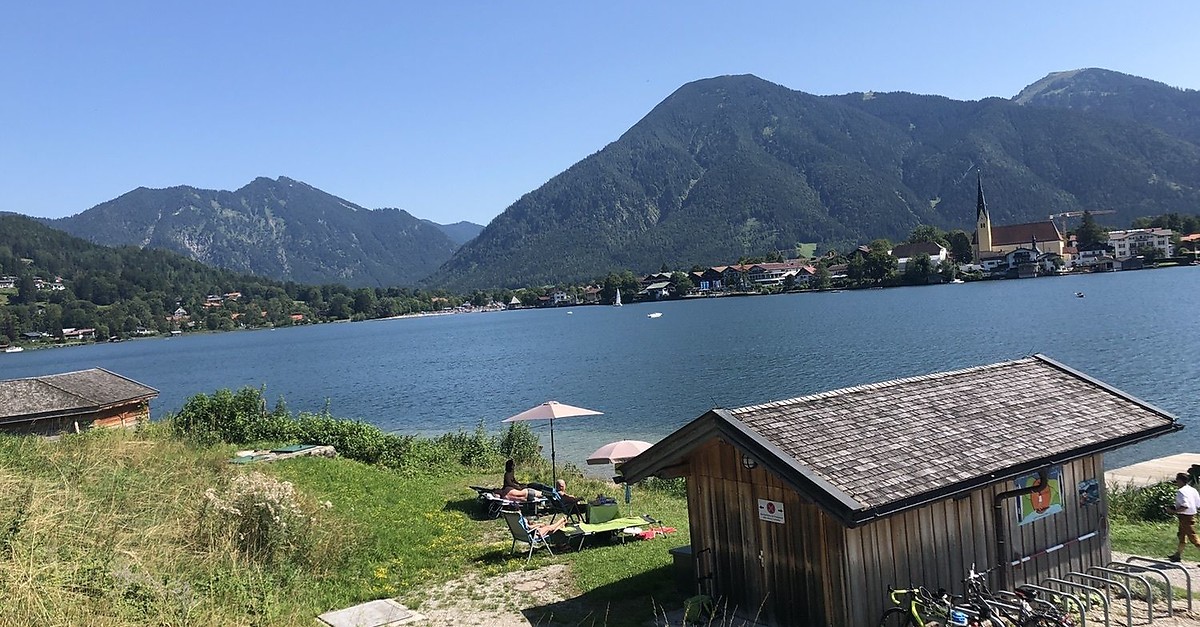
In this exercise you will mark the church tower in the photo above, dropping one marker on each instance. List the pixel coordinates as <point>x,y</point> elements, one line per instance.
<point>983,222</point>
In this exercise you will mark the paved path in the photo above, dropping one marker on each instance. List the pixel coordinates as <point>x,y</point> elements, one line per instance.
<point>1152,471</point>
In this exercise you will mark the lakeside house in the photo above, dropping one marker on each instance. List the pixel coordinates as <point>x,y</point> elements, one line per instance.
<point>72,402</point>
<point>804,511</point>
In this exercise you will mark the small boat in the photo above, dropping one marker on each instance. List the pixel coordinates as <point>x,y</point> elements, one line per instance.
<point>1078,294</point>
<point>570,313</point>
<point>617,301</point>
<point>657,314</point>
<point>13,349</point>
<point>957,281</point>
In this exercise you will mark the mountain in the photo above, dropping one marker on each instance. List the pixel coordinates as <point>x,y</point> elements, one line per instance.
<point>1113,94</point>
<point>282,229</point>
<point>460,232</point>
<point>735,166</point>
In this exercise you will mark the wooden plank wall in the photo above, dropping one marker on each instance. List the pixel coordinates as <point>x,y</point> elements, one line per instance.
<point>1074,521</point>
<point>811,570</point>
<point>935,545</point>
<point>780,574</point>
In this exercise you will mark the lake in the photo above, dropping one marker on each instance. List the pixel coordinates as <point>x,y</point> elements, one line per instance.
<point>1137,331</point>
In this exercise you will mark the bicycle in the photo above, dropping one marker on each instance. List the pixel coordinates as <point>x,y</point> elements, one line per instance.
<point>1026,614</point>
<point>941,610</point>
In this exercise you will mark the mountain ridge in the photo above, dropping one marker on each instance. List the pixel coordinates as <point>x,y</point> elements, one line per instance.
<point>736,166</point>
<point>279,228</point>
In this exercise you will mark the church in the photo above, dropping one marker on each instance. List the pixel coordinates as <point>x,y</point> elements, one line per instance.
<point>995,245</point>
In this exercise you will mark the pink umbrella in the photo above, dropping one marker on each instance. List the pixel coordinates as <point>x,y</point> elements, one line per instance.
<point>618,452</point>
<point>549,411</point>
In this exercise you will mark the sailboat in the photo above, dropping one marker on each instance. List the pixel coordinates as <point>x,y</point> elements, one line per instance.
<point>617,301</point>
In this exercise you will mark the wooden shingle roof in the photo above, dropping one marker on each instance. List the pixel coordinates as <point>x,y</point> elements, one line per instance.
<point>871,450</point>
<point>68,394</point>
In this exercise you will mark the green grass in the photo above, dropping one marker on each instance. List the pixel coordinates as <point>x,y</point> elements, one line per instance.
<point>105,528</point>
<point>1151,539</point>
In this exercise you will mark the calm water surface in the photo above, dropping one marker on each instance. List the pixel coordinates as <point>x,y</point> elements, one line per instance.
<point>1134,330</point>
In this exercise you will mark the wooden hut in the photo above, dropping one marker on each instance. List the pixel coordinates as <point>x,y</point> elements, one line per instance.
<point>73,401</point>
<point>804,511</point>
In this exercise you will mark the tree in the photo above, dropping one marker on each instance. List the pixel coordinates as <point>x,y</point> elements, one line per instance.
<point>681,284</point>
<point>960,246</point>
<point>1090,232</point>
<point>927,233</point>
<point>948,269</point>
<point>918,269</point>
<point>824,277</point>
<point>1148,252</point>
<point>879,264</point>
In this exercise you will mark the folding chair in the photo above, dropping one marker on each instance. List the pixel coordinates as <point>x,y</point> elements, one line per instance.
<point>522,533</point>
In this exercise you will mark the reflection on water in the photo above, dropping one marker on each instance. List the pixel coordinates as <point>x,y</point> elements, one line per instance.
<point>1134,330</point>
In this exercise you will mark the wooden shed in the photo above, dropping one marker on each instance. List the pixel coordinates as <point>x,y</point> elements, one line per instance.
<point>73,401</point>
<point>804,511</point>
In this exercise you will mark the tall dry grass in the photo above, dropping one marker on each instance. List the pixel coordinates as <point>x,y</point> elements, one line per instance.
<point>104,528</point>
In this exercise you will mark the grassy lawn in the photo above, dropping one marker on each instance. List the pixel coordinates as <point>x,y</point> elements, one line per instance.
<point>112,528</point>
<point>1151,539</point>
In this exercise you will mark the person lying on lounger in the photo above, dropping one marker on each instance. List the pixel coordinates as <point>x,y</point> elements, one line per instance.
<point>515,490</point>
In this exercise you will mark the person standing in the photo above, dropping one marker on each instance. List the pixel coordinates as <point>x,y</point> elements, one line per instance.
<point>1187,500</point>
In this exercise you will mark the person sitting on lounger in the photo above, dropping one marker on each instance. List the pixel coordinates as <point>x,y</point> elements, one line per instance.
<point>571,504</point>
<point>543,529</point>
<point>515,490</point>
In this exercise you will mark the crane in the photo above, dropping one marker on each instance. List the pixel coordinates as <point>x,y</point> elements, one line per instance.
<point>1075,214</point>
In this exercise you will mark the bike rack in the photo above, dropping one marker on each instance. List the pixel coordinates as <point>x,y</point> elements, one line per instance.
<point>1033,602</point>
<point>1107,583</point>
<point>1161,565</point>
<point>1130,577</point>
<point>1146,569</point>
<point>1080,586</point>
<point>1066,596</point>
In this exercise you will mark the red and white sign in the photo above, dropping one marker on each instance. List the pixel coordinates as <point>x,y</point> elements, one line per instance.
<point>770,511</point>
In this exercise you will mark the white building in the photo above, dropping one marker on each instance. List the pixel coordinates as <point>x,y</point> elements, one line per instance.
<point>1125,244</point>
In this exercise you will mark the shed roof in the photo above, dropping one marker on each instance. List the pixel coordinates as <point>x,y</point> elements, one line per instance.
<point>873,450</point>
<point>67,393</point>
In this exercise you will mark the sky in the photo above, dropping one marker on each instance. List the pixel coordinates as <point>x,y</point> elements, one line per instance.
<point>454,110</point>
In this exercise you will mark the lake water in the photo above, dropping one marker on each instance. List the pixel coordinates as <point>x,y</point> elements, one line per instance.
<point>1137,331</point>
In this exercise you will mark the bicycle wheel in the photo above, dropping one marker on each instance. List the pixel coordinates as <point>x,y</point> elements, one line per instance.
<point>1045,621</point>
<point>896,617</point>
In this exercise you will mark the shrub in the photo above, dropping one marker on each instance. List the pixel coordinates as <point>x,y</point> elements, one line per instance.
<point>1142,504</point>
<point>519,444</point>
<point>261,516</point>
<point>242,418</point>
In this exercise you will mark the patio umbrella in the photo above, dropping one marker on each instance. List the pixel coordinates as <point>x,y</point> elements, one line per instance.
<point>549,411</point>
<point>617,453</point>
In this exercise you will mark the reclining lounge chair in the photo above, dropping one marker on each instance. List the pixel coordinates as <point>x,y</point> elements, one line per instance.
<point>522,532</point>
<point>492,503</point>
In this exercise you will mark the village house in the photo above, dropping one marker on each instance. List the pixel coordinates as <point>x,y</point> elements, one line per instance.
<point>804,511</point>
<point>79,335</point>
<point>1126,244</point>
<point>72,402</point>
<point>904,252</point>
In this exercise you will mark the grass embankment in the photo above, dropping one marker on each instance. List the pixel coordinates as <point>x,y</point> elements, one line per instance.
<point>116,528</point>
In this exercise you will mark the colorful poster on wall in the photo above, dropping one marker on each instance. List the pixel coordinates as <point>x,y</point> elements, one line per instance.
<point>1042,503</point>
<point>1089,492</point>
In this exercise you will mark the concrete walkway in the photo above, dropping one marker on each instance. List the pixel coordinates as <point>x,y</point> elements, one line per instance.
<point>1151,472</point>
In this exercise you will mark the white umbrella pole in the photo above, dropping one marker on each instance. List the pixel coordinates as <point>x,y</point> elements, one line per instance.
<point>553,470</point>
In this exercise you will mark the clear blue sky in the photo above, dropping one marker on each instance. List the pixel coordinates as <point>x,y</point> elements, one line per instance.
<point>453,110</point>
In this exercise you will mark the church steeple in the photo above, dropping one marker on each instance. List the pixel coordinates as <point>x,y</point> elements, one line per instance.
<point>980,204</point>
<point>983,222</point>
